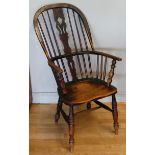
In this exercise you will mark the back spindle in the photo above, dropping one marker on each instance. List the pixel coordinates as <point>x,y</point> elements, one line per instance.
<point>101,68</point>
<point>97,67</point>
<point>105,68</point>
<point>85,67</point>
<point>49,36</point>
<point>45,40</point>
<point>84,37</point>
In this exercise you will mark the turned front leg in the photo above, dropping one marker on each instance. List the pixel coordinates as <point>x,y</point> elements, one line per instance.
<point>115,114</point>
<point>71,128</point>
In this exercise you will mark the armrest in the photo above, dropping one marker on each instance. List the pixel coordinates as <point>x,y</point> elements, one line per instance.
<point>59,76</point>
<point>87,52</point>
<point>107,55</point>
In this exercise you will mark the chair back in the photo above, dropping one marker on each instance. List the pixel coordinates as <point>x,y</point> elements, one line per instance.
<point>63,29</point>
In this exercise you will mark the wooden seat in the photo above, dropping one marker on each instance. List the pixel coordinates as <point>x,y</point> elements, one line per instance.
<point>87,90</point>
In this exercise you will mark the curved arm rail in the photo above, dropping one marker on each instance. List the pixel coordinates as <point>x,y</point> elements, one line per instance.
<point>100,66</point>
<point>87,52</point>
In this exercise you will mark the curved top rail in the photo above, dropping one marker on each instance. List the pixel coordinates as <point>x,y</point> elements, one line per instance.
<point>59,5</point>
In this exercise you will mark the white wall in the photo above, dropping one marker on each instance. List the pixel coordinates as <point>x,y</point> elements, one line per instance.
<point>107,22</point>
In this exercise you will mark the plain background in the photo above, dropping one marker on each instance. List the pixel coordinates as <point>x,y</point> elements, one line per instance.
<point>107,19</point>
<point>14,79</point>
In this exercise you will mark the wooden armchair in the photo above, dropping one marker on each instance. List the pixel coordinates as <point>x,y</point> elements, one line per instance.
<point>82,73</point>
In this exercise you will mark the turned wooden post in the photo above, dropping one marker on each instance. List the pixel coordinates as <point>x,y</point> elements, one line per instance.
<point>115,114</point>
<point>71,128</point>
<point>111,73</point>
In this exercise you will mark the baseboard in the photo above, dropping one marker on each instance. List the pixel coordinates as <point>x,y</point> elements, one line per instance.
<point>52,97</point>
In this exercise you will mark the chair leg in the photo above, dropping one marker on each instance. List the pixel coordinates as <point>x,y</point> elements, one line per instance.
<point>59,106</point>
<point>89,105</point>
<point>71,128</point>
<point>115,114</point>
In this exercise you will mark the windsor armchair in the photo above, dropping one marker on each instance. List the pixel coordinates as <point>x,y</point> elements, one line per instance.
<point>83,74</point>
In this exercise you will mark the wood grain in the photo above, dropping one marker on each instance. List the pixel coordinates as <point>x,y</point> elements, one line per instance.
<point>86,90</point>
<point>94,133</point>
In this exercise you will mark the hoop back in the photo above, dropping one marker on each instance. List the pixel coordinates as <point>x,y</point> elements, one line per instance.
<point>62,28</point>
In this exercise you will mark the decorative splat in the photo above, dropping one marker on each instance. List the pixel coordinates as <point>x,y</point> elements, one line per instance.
<point>61,27</point>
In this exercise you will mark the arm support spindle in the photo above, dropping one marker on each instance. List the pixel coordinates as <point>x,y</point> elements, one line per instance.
<point>111,73</point>
<point>58,72</point>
